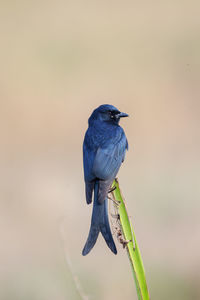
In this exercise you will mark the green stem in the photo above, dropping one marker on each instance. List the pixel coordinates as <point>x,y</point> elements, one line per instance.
<point>131,244</point>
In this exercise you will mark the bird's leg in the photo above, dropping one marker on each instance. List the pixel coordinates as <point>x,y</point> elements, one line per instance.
<point>112,189</point>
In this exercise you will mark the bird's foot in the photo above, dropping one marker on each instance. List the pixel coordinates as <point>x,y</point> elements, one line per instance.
<point>112,189</point>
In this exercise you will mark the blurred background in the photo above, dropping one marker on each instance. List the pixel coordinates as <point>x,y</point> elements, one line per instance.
<point>60,60</point>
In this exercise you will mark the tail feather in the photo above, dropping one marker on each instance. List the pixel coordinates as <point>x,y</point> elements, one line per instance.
<point>99,223</point>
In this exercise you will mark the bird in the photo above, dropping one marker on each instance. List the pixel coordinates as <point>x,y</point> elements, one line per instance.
<point>104,148</point>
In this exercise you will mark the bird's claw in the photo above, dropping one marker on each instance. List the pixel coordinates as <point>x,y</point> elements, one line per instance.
<point>112,189</point>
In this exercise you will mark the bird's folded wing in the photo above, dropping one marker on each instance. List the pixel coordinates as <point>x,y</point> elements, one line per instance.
<point>88,160</point>
<point>109,158</point>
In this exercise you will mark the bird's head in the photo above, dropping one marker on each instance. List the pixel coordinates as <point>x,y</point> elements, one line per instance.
<point>107,113</point>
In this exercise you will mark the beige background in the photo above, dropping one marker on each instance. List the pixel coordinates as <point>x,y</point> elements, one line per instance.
<point>58,61</point>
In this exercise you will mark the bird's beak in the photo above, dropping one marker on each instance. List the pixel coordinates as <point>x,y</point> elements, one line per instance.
<point>122,115</point>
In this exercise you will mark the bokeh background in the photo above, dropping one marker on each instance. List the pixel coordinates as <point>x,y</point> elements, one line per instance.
<point>58,61</point>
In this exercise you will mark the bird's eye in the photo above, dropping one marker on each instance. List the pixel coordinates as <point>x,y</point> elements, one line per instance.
<point>111,114</point>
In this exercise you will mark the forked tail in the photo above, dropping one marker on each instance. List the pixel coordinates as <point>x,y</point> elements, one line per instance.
<point>99,223</point>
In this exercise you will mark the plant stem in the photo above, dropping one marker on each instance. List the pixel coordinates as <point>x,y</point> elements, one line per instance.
<point>129,241</point>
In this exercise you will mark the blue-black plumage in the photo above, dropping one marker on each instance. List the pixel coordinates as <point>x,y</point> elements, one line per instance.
<point>104,149</point>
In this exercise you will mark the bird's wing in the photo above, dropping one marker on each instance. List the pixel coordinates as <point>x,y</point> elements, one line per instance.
<point>88,159</point>
<point>109,157</point>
